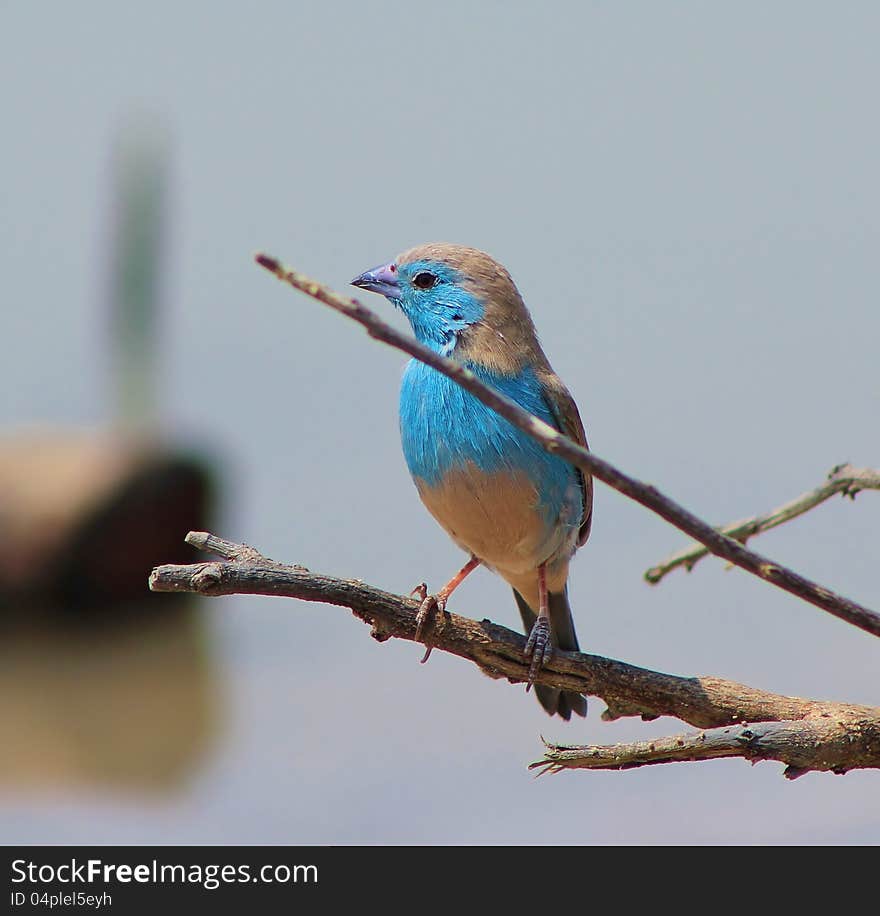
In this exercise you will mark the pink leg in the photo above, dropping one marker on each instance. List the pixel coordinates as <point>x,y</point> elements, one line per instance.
<point>438,601</point>
<point>444,593</point>
<point>539,646</point>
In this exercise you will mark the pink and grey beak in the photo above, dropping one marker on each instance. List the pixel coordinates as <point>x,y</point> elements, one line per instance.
<point>380,280</point>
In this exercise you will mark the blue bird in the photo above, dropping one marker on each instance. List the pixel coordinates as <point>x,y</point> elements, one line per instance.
<point>512,506</point>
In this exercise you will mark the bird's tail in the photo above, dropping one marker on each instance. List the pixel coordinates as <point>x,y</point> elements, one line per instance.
<point>556,702</point>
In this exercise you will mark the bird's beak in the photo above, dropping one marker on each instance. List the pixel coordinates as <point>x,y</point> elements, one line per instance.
<point>380,280</point>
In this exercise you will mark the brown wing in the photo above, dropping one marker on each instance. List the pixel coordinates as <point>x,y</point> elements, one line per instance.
<point>568,421</point>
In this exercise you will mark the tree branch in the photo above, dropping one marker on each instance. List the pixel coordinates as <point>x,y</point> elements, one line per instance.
<point>705,702</point>
<point>844,479</point>
<point>553,441</point>
<point>821,742</point>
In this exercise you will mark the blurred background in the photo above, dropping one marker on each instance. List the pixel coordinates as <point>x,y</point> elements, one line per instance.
<point>687,196</point>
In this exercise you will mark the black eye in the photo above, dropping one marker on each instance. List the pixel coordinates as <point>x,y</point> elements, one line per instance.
<point>424,280</point>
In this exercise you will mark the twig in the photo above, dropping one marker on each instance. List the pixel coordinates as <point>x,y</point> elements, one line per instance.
<point>553,441</point>
<point>704,702</point>
<point>822,742</point>
<point>844,479</point>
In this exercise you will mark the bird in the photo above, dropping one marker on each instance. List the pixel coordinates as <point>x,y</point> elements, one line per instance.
<point>509,504</point>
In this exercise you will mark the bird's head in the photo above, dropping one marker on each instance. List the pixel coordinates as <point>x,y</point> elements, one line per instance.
<point>452,295</point>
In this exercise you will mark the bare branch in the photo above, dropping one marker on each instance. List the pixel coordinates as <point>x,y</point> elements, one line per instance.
<point>828,741</point>
<point>844,479</point>
<point>705,702</point>
<point>553,441</point>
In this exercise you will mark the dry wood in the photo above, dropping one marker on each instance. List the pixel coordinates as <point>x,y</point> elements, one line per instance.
<point>844,479</point>
<point>836,739</point>
<point>848,735</point>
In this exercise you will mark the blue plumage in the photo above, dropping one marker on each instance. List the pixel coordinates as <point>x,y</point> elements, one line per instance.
<point>443,427</point>
<point>439,313</point>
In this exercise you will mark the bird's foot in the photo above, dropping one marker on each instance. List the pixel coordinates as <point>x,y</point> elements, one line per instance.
<point>539,648</point>
<point>429,605</point>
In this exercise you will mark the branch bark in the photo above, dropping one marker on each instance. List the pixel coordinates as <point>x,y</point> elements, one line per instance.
<point>844,479</point>
<point>704,702</point>
<point>553,441</point>
<point>825,741</point>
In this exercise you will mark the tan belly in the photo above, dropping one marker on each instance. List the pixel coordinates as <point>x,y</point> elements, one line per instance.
<point>497,518</point>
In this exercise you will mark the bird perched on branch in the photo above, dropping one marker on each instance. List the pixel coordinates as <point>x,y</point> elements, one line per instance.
<point>511,505</point>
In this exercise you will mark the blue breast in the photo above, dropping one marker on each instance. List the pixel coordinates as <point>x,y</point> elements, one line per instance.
<point>443,427</point>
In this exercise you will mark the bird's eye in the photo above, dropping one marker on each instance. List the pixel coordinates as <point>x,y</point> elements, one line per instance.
<point>424,280</point>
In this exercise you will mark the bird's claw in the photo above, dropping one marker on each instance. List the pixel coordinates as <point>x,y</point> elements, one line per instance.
<point>423,615</point>
<point>429,604</point>
<point>539,648</point>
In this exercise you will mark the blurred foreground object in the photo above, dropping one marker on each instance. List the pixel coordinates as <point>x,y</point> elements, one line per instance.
<point>123,702</point>
<point>83,518</point>
<point>100,686</point>
<point>139,246</point>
